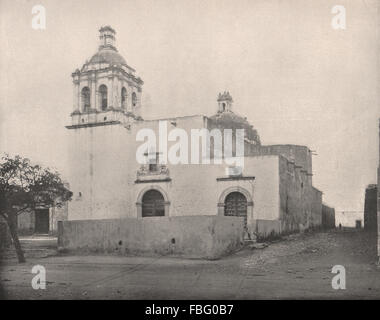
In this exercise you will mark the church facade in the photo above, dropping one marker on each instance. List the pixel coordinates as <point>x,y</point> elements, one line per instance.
<point>272,193</point>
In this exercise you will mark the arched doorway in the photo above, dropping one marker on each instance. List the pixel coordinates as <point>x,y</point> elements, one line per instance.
<point>153,204</point>
<point>235,204</point>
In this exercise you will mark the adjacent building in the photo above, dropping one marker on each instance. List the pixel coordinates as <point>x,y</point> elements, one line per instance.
<point>42,220</point>
<point>370,208</point>
<point>328,217</point>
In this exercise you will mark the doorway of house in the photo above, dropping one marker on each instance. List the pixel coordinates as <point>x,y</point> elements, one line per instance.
<point>41,221</point>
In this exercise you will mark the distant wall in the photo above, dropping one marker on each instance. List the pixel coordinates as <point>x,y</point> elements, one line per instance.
<point>207,237</point>
<point>348,218</point>
<point>370,208</point>
<point>328,217</point>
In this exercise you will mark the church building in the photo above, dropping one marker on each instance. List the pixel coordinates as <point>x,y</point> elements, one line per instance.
<point>271,194</point>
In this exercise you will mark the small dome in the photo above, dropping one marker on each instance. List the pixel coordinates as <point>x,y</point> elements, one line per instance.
<point>108,55</point>
<point>230,120</point>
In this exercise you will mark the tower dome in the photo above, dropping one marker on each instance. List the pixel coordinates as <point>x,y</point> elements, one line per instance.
<point>107,52</point>
<point>106,84</point>
<point>107,55</point>
<point>225,118</point>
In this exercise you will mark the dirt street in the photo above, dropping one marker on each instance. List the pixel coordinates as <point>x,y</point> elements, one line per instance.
<point>297,267</point>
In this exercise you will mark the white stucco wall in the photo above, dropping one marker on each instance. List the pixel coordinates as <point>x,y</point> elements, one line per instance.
<point>98,171</point>
<point>266,186</point>
<point>103,169</point>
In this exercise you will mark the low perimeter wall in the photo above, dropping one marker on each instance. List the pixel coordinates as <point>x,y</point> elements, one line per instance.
<point>207,237</point>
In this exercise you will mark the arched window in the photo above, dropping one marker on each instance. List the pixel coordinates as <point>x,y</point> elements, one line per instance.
<point>85,98</point>
<point>134,99</point>
<point>153,204</point>
<point>235,204</point>
<point>123,98</point>
<point>103,97</point>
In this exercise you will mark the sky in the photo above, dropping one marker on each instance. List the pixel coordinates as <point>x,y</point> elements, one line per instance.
<point>295,78</point>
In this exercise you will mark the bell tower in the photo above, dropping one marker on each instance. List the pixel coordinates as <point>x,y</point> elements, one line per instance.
<point>106,104</point>
<point>224,102</point>
<point>106,89</point>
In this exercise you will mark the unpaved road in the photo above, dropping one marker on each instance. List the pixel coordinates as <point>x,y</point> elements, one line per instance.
<point>297,267</point>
